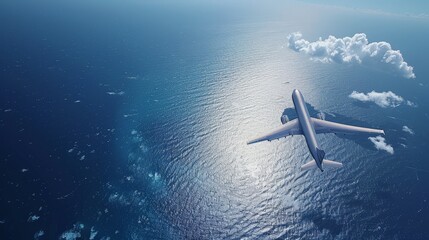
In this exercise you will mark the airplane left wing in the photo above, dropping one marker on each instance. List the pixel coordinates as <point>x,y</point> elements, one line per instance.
<point>323,126</point>
<point>288,129</point>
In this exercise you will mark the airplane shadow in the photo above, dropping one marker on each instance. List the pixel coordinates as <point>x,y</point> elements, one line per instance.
<point>360,139</point>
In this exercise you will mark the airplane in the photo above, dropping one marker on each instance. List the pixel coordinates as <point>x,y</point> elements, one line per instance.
<point>309,127</point>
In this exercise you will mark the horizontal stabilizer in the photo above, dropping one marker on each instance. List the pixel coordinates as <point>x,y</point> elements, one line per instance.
<point>331,164</point>
<point>309,165</point>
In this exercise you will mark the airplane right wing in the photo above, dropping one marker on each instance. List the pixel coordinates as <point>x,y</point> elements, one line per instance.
<point>323,126</point>
<point>289,128</point>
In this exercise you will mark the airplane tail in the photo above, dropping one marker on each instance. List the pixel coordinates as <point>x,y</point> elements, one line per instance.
<point>326,163</point>
<point>320,154</point>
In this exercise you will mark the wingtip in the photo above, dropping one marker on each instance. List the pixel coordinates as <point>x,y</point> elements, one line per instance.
<point>251,142</point>
<point>256,140</point>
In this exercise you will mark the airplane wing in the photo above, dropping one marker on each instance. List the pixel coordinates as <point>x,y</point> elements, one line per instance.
<point>289,128</point>
<point>323,126</point>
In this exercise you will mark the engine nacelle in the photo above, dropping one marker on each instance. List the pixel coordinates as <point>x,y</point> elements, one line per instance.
<point>321,116</point>
<point>284,119</point>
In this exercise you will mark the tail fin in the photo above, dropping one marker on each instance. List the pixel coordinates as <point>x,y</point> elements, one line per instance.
<point>320,154</point>
<point>309,165</point>
<point>332,164</point>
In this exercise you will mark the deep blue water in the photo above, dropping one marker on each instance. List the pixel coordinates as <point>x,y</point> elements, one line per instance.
<point>132,118</point>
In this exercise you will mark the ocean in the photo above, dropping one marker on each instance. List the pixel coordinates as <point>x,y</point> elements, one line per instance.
<point>129,120</point>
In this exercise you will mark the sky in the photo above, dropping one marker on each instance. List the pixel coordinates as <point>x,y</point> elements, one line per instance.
<point>411,7</point>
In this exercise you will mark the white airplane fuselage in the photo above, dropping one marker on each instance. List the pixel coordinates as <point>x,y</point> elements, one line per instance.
<point>307,128</point>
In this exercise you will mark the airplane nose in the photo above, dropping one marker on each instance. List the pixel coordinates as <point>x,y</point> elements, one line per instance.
<point>295,92</point>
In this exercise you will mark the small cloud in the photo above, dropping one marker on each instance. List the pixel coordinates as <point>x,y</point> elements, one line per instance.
<point>33,218</point>
<point>130,115</point>
<point>382,99</point>
<point>73,233</point>
<point>155,177</point>
<point>380,144</point>
<point>411,104</point>
<point>408,130</point>
<point>116,93</point>
<point>93,233</point>
<point>352,50</point>
<point>39,234</point>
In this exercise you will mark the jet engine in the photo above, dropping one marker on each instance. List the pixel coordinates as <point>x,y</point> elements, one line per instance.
<point>321,116</point>
<point>284,119</point>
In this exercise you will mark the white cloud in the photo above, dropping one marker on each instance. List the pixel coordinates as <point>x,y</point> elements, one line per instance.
<point>382,99</point>
<point>354,49</point>
<point>39,234</point>
<point>408,130</point>
<point>93,233</point>
<point>120,93</point>
<point>380,144</point>
<point>411,104</point>
<point>33,218</point>
<point>73,233</point>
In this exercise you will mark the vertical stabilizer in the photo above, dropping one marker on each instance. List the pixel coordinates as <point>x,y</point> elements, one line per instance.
<point>320,154</point>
